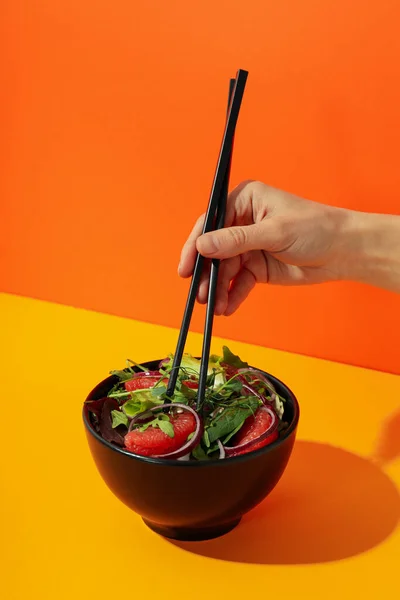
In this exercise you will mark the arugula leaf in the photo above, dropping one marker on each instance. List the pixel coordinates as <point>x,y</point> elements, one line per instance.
<point>166,427</point>
<point>231,386</point>
<point>214,359</point>
<point>118,418</point>
<point>232,359</point>
<point>162,417</point>
<point>187,392</point>
<point>199,454</point>
<point>191,366</point>
<point>145,426</point>
<point>158,390</point>
<point>231,418</point>
<point>210,381</point>
<point>135,364</point>
<point>206,438</point>
<point>119,394</point>
<point>215,369</point>
<point>163,422</point>
<point>167,365</point>
<point>214,448</point>
<point>179,397</point>
<point>232,433</point>
<point>122,375</point>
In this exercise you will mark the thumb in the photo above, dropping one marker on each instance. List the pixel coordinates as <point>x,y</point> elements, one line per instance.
<point>232,241</point>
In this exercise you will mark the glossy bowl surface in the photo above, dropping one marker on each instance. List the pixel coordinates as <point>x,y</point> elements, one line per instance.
<point>191,500</point>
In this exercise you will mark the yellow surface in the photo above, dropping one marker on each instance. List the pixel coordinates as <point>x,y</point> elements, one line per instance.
<point>65,536</point>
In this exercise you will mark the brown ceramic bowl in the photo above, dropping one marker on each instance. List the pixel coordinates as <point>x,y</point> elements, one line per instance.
<point>187,500</point>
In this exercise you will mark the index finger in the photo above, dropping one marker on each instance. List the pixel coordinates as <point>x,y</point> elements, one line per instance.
<point>189,251</point>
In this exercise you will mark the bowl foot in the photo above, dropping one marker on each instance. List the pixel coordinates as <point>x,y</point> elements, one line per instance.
<point>192,534</point>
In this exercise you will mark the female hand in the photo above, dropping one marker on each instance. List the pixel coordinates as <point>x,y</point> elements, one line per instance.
<point>274,237</point>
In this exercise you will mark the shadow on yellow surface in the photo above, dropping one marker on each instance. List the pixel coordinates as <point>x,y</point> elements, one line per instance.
<point>388,446</point>
<point>329,505</point>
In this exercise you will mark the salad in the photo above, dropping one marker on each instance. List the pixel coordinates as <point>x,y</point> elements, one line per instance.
<point>241,412</point>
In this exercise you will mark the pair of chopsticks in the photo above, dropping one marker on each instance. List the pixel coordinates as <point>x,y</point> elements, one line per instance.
<point>215,218</point>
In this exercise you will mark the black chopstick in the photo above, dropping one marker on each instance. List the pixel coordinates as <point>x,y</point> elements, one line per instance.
<point>214,270</point>
<point>219,177</point>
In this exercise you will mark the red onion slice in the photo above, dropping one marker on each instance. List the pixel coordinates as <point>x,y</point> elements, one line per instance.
<point>246,445</point>
<point>273,395</point>
<point>138,374</point>
<point>221,450</point>
<point>141,418</point>
<point>260,376</point>
<point>186,457</point>
<point>266,402</point>
<point>163,362</point>
<point>188,445</point>
<point>254,392</point>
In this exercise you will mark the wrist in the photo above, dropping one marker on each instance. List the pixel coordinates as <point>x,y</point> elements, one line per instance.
<point>369,249</point>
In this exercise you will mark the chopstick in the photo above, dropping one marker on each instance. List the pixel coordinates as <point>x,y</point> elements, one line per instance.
<point>214,270</point>
<point>215,196</point>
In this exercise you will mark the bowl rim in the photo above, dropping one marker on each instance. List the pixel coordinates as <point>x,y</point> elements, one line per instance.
<point>216,462</point>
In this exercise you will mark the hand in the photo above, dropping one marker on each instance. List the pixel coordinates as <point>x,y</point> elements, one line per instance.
<point>270,236</point>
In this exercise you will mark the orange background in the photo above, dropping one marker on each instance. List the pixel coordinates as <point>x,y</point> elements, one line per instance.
<point>113,114</point>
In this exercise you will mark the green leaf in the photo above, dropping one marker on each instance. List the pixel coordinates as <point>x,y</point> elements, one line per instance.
<point>279,406</point>
<point>232,359</point>
<point>146,426</point>
<point>122,375</point>
<point>214,368</point>
<point>126,374</point>
<point>232,433</point>
<point>233,385</point>
<point>214,359</point>
<point>132,408</point>
<point>163,417</point>
<point>199,454</point>
<point>118,418</point>
<point>187,392</point>
<point>135,364</point>
<point>119,394</point>
<point>190,364</point>
<point>166,367</point>
<point>231,418</point>
<point>166,427</point>
<point>141,400</point>
<point>179,397</point>
<point>214,448</point>
<point>206,438</point>
<point>158,391</point>
<point>210,382</point>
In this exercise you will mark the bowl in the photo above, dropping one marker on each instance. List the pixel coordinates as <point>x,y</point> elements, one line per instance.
<point>192,501</point>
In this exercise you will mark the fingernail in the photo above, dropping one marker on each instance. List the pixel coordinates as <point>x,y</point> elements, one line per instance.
<point>207,244</point>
